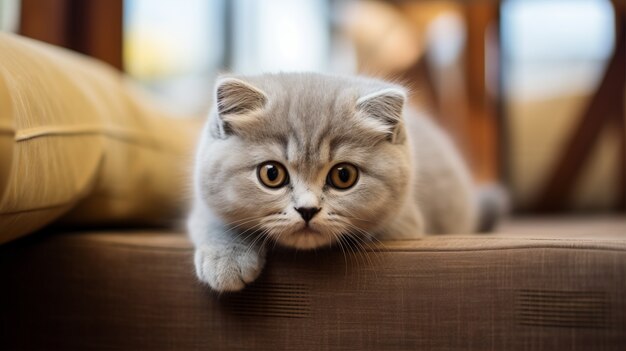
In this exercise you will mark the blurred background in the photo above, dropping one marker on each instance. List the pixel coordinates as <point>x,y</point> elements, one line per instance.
<point>533,92</point>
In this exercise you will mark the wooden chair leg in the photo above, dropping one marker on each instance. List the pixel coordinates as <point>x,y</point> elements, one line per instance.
<point>483,124</point>
<point>92,27</point>
<point>606,105</point>
<point>621,171</point>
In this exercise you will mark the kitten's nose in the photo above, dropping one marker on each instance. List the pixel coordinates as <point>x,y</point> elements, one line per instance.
<point>308,212</point>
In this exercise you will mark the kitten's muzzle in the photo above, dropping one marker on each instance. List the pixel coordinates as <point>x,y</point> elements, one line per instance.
<point>307,212</point>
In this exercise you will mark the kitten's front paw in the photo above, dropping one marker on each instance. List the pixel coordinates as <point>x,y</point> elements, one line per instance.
<point>228,269</point>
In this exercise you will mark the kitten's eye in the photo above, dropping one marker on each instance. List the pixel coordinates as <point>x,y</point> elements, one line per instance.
<point>272,174</point>
<point>343,176</point>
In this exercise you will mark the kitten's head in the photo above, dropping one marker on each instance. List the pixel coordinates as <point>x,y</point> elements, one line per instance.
<point>305,159</point>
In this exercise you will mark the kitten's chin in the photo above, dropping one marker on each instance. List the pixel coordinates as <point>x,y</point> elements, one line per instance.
<point>305,239</point>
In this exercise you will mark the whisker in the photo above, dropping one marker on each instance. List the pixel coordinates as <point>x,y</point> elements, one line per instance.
<point>352,216</point>
<point>362,243</point>
<point>253,243</point>
<point>359,249</point>
<point>251,231</point>
<point>360,239</point>
<point>337,235</point>
<point>230,228</point>
<point>265,237</point>
<point>350,248</point>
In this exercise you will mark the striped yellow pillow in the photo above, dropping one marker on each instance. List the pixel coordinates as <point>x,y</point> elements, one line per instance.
<point>79,144</point>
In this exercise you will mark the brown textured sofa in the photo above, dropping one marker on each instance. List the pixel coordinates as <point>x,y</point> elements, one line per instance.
<point>559,286</point>
<point>78,147</point>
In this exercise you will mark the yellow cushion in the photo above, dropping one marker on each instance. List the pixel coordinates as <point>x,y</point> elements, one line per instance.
<point>80,144</point>
<point>7,133</point>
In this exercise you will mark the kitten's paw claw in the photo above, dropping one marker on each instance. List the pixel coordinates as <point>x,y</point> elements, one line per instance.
<point>228,270</point>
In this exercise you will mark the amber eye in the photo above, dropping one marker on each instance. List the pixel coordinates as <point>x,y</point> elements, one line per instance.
<point>343,176</point>
<point>272,174</point>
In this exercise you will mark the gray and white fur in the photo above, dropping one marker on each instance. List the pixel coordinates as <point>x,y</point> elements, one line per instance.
<point>411,180</point>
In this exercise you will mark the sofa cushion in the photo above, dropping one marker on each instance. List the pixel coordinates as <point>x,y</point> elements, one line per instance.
<point>539,288</point>
<point>78,141</point>
<point>7,134</point>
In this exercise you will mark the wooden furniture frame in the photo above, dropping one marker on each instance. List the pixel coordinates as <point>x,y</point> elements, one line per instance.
<point>91,27</point>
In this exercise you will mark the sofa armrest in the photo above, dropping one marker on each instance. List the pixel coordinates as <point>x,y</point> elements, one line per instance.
<point>90,290</point>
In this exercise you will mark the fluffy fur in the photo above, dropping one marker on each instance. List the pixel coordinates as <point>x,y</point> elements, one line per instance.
<point>411,179</point>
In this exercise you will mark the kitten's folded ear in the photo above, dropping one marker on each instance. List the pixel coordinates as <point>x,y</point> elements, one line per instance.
<point>236,103</point>
<point>383,111</point>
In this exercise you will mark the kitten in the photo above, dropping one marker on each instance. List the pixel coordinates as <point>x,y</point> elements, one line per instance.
<point>302,159</point>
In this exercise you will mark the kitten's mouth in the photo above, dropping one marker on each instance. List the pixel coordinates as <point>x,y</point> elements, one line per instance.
<point>305,238</point>
<point>306,231</point>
